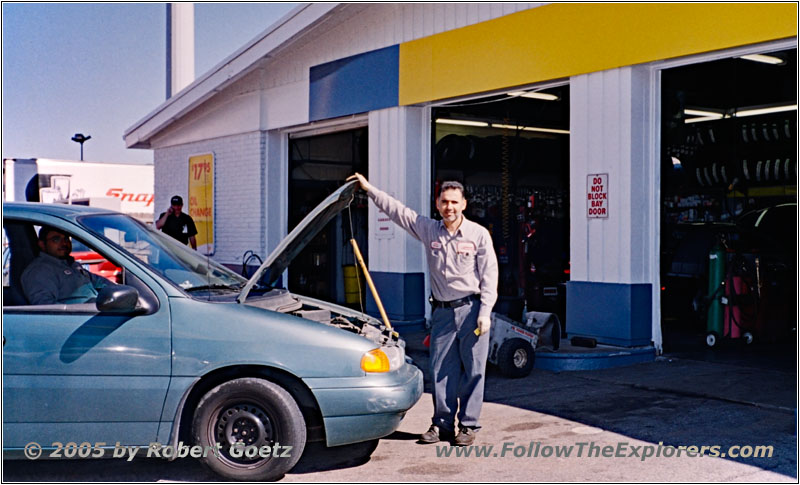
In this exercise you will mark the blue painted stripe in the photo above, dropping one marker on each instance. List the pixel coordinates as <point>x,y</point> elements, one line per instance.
<point>612,313</point>
<point>403,298</point>
<point>354,84</point>
<point>558,362</point>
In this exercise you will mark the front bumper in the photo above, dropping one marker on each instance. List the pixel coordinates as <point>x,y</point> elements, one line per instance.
<point>356,409</point>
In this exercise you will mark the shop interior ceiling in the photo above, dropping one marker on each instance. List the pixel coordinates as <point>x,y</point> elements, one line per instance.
<point>511,110</point>
<point>734,83</point>
<point>723,85</point>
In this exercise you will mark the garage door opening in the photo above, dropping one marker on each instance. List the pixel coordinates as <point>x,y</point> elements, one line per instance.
<point>318,166</point>
<point>511,152</point>
<point>729,193</point>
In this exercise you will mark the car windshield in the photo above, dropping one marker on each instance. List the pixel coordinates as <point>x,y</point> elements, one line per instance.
<point>172,260</point>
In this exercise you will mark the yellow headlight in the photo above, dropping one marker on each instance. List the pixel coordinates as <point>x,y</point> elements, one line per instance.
<point>375,361</point>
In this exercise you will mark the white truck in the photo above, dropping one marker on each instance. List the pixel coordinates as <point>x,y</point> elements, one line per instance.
<point>122,187</point>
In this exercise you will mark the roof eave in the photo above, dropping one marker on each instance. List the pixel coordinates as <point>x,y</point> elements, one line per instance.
<point>234,67</point>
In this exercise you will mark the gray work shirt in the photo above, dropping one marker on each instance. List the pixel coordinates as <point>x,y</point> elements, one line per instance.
<point>461,264</point>
<point>49,280</point>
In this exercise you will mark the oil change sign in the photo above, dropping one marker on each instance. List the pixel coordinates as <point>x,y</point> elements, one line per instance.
<point>201,200</point>
<point>597,195</point>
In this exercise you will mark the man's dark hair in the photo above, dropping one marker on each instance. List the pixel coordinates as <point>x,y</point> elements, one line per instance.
<point>452,184</point>
<point>44,230</point>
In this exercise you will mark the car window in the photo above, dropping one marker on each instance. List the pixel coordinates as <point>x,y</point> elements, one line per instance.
<point>35,279</point>
<point>176,262</point>
<point>18,252</point>
<point>6,260</point>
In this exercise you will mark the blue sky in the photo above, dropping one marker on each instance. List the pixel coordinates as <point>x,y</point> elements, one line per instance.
<point>97,68</point>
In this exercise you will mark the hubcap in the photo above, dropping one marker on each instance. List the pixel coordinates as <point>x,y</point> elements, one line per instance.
<point>247,424</point>
<point>520,358</point>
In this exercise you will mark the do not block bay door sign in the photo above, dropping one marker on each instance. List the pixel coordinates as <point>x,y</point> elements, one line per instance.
<point>597,195</point>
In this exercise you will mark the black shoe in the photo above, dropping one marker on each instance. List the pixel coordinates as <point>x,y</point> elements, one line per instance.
<point>435,435</point>
<point>466,436</point>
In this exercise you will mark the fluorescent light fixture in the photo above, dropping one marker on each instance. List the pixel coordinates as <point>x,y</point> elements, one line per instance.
<point>506,127</point>
<point>703,118</point>
<point>530,128</point>
<point>764,59</point>
<point>535,95</point>
<point>546,130</point>
<point>446,121</point>
<point>700,112</point>
<point>764,111</point>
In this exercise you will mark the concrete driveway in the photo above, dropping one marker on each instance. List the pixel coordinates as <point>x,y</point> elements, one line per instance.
<point>528,422</point>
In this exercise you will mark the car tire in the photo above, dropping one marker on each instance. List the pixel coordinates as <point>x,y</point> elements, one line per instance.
<point>363,451</point>
<point>254,413</point>
<point>515,358</point>
<point>318,457</point>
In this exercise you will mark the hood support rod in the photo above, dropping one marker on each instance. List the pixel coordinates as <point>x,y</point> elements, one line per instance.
<point>370,283</point>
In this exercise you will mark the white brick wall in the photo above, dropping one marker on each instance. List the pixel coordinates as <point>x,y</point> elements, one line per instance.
<point>238,189</point>
<point>241,186</point>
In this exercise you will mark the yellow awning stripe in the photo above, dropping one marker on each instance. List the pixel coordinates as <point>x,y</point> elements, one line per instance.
<point>561,40</point>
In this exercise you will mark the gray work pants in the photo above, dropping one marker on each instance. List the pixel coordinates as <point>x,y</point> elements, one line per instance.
<point>458,366</point>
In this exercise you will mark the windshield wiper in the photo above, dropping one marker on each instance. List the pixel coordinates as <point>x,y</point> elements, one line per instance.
<point>215,287</point>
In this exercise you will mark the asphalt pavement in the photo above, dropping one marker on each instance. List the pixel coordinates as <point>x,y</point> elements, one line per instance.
<point>620,424</point>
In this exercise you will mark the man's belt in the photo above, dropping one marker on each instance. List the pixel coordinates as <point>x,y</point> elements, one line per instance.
<point>453,303</point>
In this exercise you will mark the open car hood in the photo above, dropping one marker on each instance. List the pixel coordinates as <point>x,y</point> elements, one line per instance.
<point>301,235</point>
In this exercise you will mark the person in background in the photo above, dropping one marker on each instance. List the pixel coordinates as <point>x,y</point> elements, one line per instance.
<point>463,272</point>
<point>176,223</point>
<point>55,277</point>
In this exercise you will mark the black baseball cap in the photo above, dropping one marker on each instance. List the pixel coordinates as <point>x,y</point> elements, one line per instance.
<point>176,200</point>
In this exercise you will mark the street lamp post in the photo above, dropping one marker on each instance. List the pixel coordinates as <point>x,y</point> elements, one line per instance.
<point>79,138</point>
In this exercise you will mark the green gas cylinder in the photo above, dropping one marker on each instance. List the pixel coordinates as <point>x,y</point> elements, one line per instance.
<point>716,280</point>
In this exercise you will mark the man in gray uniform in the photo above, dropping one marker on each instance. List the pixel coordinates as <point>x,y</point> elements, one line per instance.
<point>463,272</point>
<point>54,276</point>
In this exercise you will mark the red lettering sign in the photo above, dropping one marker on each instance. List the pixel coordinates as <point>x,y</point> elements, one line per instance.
<point>201,170</point>
<point>597,195</point>
<point>145,198</point>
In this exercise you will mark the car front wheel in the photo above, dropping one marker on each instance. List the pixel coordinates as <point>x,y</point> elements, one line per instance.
<point>253,427</point>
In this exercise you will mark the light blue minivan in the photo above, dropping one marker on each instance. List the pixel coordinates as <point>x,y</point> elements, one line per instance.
<point>186,351</point>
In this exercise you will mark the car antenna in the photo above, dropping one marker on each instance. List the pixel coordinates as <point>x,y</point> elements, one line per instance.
<point>207,252</point>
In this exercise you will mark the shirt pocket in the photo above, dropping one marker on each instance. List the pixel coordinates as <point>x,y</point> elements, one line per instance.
<point>465,263</point>
<point>436,259</point>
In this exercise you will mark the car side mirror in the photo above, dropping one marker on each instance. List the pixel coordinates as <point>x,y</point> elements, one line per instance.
<point>117,299</point>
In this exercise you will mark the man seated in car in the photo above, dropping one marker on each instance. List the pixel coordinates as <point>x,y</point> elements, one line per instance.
<point>54,276</point>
